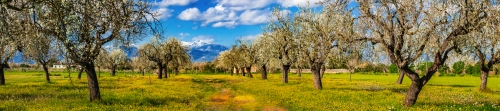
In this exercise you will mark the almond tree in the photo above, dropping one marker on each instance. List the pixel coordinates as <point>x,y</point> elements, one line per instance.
<point>283,34</point>
<point>152,52</point>
<point>320,32</point>
<point>83,27</point>
<point>409,28</point>
<point>11,33</point>
<point>262,46</point>
<point>247,53</point>
<point>41,50</point>
<point>175,55</point>
<point>101,61</point>
<point>485,42</point>
<point>116,58</point>
<point>227,60</point>
<point>141,63</point>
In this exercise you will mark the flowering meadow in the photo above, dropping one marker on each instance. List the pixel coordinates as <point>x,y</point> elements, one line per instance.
<point>222,92</point>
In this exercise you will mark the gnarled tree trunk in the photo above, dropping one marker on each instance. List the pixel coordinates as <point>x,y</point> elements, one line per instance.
<point>237,70</point>
<point>160,70</point>
<point>46,70</point>
<point>80,73</point>
<point>316,73</point>
<point>95,94</point>
<point>243,71</point>
<point>284,73</point>
<point>166,71</point>
<point>264,72</point>
<point>142,72</point>
<point>299,71</point>
<point>249,70</point>
<point>2,75</point>
<point>484,78</point>
<point>231,71</point>
<point>113,70</point>
<point>413,92</point>
<point>401,77</point>
<point>176,71</point>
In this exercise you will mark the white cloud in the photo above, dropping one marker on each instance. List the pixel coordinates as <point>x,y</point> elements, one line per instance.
<point>240,5</point>
<point>229,24</point>
<point>231,13</point>
<point>184,34</point>
<point>189,14</point>
<point>252,17</point>
<point>295,3</point>
<point>165,3</point>
<point>160,13</point>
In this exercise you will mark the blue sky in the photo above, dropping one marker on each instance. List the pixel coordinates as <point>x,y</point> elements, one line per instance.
<point>218,21</point>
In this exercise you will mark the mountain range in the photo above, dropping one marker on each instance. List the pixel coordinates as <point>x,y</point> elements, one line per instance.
<point>199,51</point>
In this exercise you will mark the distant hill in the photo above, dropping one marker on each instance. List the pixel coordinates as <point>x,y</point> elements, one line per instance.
<point>199,51</point>
<point>206,52</point>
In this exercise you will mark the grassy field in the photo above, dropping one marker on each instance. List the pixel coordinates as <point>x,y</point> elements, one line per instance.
<point>29,91</point>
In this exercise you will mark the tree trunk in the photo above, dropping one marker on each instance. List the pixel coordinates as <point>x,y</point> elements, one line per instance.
<point>232,71</point>
<point>166,72</point>
<point>264,72</point>
<point>401,77</point>
<point>142,72</point>
<point>237,71</point>
<point>243,71</point>
<point>299,71</point>
<point>113,70</point>
<point>95,94</point>
<point>160,71</point>
<point>80,73</point>
<point>316,73</point>
<point>176,71</point>
<point>249,71</point>
<point>284,73</point>
<point>350,76</point>
<point>413,92</point>
<point>323,68</point>
<point>484,78</point>
<point>132,71</point>
<point>2,75</point>
<point>46,70</point>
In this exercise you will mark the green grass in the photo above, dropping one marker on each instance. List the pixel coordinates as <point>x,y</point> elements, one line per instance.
<point>30,91</point>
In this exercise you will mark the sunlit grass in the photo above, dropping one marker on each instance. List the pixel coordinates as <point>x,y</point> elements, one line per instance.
<point>29,91</point>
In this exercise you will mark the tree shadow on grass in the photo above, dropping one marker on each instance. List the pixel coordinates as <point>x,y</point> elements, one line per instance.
<point>460,86</point>
<point>371,89</point>
<point>147,101</point>
<point>479,105</point>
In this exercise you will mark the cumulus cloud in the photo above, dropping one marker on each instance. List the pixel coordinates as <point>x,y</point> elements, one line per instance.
<point>229,24</point>
<point>162,12</point>
<point>252,17</point>
<point>231,13</point>
<point>189,14</point>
